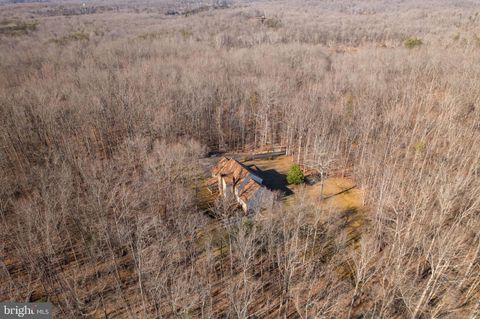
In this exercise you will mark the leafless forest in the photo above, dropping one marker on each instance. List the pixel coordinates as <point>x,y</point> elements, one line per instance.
<point>108,109</point>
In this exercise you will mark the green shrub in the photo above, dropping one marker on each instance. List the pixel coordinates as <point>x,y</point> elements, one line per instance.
<point>295,175</point>
<point>411,43</point>
<point>420,146</point>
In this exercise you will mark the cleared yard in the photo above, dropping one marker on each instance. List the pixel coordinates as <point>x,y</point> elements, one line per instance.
<point>339,193</point>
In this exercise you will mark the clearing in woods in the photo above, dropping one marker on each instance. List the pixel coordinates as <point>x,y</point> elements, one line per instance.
<point>338,194</point>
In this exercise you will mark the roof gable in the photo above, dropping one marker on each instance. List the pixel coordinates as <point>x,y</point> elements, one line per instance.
<point>244,181</point>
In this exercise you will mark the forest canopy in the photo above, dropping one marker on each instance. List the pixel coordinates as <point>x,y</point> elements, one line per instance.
<point>112,114</point>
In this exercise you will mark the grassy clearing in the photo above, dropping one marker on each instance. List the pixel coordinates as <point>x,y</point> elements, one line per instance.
<point>339,193</point>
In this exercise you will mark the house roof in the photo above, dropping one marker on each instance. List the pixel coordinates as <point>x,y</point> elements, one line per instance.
<point>244,181</point>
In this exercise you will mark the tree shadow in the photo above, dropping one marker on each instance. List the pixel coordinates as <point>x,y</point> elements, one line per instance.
<point>273,180</point>
<point>340,192</point>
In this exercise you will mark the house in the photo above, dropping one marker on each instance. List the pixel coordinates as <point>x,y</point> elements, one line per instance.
<point>236,179</point>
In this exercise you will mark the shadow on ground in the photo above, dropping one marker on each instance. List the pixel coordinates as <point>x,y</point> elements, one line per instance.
<point>273,180</point>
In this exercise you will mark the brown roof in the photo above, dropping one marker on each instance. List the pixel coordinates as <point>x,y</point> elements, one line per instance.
<point>221,163</point>
<point>249,190</point>
<point>237,174</point>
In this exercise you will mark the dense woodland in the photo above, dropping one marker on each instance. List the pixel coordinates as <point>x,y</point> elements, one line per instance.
<point>105,117</point>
